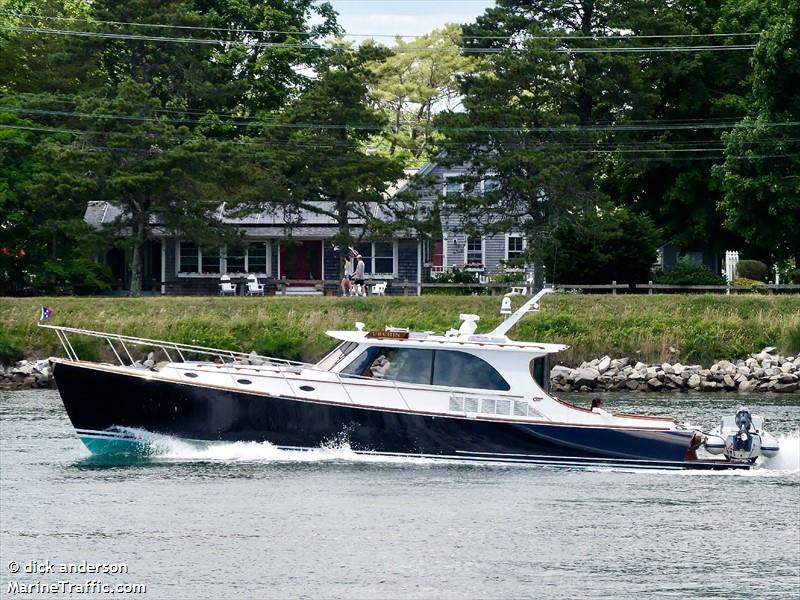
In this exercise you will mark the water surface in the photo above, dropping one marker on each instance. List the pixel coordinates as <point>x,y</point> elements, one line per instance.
<point>248,520</point>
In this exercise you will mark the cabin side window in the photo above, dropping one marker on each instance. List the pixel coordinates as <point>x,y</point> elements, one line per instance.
<point>540,370</point>
<point>335,356</point>
<point>409,365</point>
<point>448,368</point>
<point>459,369</point>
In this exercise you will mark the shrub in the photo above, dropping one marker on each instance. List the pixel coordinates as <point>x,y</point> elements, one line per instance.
<point>686,273</point>
<point>10,350</point>
<point>794,276</point>
<point>752,269</point>
<point>791,340</point>
<point>616,245</point>
<point>509,277</point>
<point>455,276</point>
<point>754,285</point>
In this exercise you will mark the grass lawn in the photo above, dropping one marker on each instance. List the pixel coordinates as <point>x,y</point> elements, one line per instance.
<point>701,327</point>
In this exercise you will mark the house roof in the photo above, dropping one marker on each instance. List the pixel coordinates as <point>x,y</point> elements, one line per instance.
<point>404,184</point>
<point>268,223</point>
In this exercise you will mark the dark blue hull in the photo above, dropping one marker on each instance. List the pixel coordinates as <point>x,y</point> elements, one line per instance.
<point>103,405</point>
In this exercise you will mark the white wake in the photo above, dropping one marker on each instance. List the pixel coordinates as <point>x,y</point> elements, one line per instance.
<point>171,448</point>
<point>788,458</point>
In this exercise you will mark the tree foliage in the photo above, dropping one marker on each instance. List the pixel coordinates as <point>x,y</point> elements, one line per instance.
<point>762,158</point>
<point>528,110</point>
<point>146,123</point>
<point>45,243</point>
<point>601,247</point>
<point>417,80</point>
<point>666,172</point>
<point>325,167</point>
<point>689,273</point>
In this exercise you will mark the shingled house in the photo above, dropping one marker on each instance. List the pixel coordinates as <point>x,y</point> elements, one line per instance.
<point>274,251</point>
<point>482,255</point>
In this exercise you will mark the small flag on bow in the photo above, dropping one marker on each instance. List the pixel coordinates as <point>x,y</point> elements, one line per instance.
<point>46,312</point>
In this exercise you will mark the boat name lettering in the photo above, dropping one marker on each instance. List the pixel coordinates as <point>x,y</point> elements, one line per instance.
<point>384,334</point>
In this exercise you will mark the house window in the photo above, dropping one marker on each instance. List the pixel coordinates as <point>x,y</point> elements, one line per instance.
<point>189,258</point>
<point>378,257</point>
<point>474,251</point>
<point>251,258</point>
<point>257,258</point>
<point>452,187</point>
<point>490,185</point>
<point>516,246</point>
<point>210,261</point>
<point>194,259</point>
<point>236,259</point>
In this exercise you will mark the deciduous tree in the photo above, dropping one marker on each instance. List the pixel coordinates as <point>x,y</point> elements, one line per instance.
<point>761,173</point>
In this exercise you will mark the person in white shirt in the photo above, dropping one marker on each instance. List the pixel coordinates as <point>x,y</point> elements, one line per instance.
<point>597,407</point>
<point>348,275</point>
<point>358,277</point>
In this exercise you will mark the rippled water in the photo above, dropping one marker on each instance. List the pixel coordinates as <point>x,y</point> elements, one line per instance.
<point>248,520</point>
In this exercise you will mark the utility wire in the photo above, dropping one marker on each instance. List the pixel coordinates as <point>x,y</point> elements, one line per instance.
<point>639,146</point>
<point>152,142</point>
<point>310,46</point>
<point>346,126</point>
<point>343,159</point>
<point>74,98</point>
<point>380,35</point>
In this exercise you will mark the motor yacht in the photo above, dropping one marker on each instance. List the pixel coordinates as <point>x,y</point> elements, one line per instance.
<point>461,396</point>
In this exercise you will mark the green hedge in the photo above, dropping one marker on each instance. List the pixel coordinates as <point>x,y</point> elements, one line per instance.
<point>702,327</point>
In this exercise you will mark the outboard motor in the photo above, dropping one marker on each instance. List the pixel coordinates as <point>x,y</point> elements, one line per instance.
<point>741,438</point>
<point>741,444</point>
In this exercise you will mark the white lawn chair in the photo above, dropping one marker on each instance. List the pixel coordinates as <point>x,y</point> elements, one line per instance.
<point>226,288</point>
<point>253,287</point>
<point>379,289</point>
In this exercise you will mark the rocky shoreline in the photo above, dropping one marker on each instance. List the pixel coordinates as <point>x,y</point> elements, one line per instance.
<point>766,371</point>
<point>26,374</point>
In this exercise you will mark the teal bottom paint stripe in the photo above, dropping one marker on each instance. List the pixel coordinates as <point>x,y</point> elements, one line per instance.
<point>108,445</point>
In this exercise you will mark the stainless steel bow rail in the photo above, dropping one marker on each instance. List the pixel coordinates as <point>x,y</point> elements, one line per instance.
<point>181,350</point>
<point>281,367</point>
<point>287,370</point>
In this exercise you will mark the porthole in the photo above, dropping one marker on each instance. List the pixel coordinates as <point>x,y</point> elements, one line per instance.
<point>244,381</point>
<point>191,374</point>
<point>306,388</point>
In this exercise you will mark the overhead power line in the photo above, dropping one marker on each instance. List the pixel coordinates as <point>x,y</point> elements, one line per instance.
<point>311,46</point>
<point>355,126</point>
<point>649,147</point>
<point>344,158</point>
<point>378,35</point>
<point>73,99</point>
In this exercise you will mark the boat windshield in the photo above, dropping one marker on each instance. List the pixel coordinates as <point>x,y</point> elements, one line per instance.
<point>333,358</point>
<point>540,369</point>
<point>451,368</point>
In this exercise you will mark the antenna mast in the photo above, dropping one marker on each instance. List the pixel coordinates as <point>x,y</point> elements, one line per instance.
<point>531,305</point>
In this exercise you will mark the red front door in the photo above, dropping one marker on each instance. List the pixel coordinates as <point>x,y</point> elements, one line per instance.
<point>301,259</point>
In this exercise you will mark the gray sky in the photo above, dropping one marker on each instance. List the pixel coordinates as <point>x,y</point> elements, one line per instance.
<point>410,17</point>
